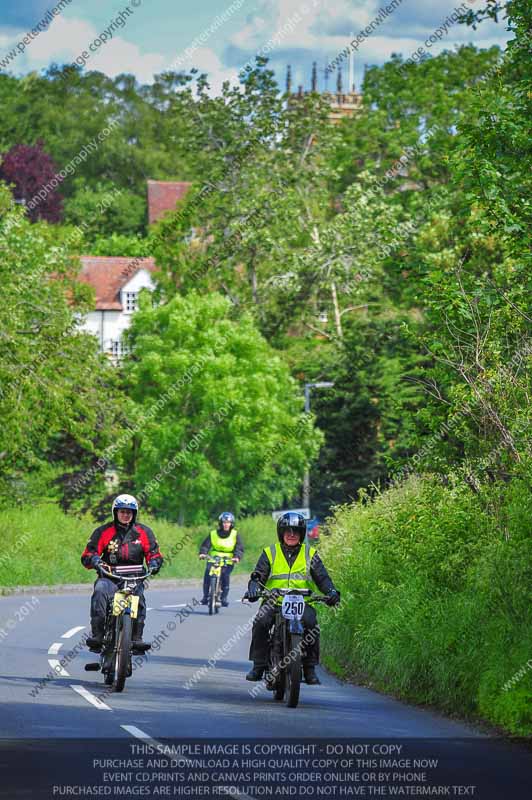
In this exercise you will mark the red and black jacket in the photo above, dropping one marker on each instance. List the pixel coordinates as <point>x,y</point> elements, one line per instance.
<point>122,549</point>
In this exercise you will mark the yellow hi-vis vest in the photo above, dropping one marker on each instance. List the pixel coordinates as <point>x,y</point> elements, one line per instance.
<point>221,546</point>
<point>284,576</point>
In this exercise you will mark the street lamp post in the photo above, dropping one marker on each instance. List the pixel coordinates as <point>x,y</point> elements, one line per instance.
<point>306,477</point>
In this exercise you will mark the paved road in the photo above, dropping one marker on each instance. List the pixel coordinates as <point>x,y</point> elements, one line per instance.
<point>176,693</point>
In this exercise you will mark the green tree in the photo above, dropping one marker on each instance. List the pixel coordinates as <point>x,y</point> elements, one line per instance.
<point>221,417</point>
<point>263,189</point>
<point>59,398</point>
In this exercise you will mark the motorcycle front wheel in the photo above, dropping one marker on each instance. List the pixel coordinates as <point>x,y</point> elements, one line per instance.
<point>212,596</point>
<point>123,649</point>
<point>293,670</point>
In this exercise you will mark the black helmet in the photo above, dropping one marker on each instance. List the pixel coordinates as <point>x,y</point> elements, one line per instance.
<point>294,521</point>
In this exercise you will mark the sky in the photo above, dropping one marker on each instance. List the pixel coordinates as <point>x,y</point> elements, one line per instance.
<point>146,37</point>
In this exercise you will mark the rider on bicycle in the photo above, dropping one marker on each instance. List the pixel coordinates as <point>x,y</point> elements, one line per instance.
<point>289,564</point>
<point>122,542</point>
<point>226,543</point>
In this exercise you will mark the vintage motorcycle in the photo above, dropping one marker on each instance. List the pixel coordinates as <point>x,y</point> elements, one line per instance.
<point>122,609</point>
<point>285,646</point>
<point>215,580</point>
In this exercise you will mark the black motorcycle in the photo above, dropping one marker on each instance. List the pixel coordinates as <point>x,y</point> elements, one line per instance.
<point>122,609</point>
<point>286,646</point>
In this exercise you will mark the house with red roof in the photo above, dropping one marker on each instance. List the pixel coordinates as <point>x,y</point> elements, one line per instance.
<point>117,281</point>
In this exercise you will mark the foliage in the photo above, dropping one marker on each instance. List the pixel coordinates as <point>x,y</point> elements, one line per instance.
<point>66,537</point>
<point>436,601</point>
<point>105,211</point>
<point>126,132</point>
<point>221,417</point>
<point>263,189</point>
<point>29,170</point>
<point>58,401</point>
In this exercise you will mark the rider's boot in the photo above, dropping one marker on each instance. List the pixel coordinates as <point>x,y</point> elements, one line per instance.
<point>137,644</point>
<point>256,672</point>
<point>310,675</point>
<point>94,642</point>
<point>223,598</point>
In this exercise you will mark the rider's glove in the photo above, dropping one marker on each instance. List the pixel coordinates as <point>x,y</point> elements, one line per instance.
<point>253,591</point>
<point>96,563</point>
<point>155,565</point>
<point>333,597</point>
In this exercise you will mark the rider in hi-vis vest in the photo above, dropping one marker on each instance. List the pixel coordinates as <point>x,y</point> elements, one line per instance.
<point>225,541</point>
<point>291,564</point>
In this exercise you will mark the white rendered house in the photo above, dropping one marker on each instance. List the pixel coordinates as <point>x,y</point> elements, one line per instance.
<point>117,283</point>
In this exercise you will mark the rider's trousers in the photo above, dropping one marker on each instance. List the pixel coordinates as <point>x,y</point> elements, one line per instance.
<point>258,651</point>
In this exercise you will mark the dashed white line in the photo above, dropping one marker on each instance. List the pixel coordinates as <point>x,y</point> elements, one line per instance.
<point>136,732</point>
<point>91,698</point>
<point>57,668</point>
<point>229,791</point>
<point>72,632</point>
<point>55,648</point>
<point>176,605</point>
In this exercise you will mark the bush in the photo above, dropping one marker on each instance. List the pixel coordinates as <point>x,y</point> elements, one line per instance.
<point>46,545</point>
<point>437,603</point>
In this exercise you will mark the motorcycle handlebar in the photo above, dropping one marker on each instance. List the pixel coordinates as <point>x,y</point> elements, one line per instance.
<point>110,574</point>
<point>219,558</point>
<point>306,593</point>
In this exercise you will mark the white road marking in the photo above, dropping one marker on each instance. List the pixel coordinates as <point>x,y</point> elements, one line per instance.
<point>55,648</point>
<point>57,668</point>
<point>177,605</point>
<point>91,698</point>
<point>72,632</point>
<point>136,732</point>
<point>149,609</point>
<point>230,791</point>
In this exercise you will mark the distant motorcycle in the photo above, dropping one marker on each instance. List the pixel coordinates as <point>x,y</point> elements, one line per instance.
<point>215,581</point>
<point>285,646</point>
<point>122,609</point>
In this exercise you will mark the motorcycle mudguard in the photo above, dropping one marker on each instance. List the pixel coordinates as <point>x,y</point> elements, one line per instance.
<point>122,603</point>
<point>296,626</point>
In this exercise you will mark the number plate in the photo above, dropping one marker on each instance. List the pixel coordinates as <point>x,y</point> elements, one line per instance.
<point>121,602</point>
<point>293,606</point>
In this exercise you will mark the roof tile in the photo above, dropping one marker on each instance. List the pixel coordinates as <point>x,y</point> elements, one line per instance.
<point>163,196</point>
<point>108,274</point>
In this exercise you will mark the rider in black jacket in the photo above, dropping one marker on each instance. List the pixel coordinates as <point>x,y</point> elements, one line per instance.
<point>278,560</point>
<point>122,542</point>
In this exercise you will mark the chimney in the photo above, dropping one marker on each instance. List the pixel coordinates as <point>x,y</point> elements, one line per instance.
<point>339,85</point>
<point>288,79</point>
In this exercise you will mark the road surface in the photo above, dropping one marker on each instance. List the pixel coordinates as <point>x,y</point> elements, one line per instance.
<point>191,687</point>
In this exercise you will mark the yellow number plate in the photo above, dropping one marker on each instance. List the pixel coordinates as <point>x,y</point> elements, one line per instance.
<point>121,602</point>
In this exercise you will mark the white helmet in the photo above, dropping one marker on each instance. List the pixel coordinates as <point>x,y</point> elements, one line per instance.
<point>125,501</point>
